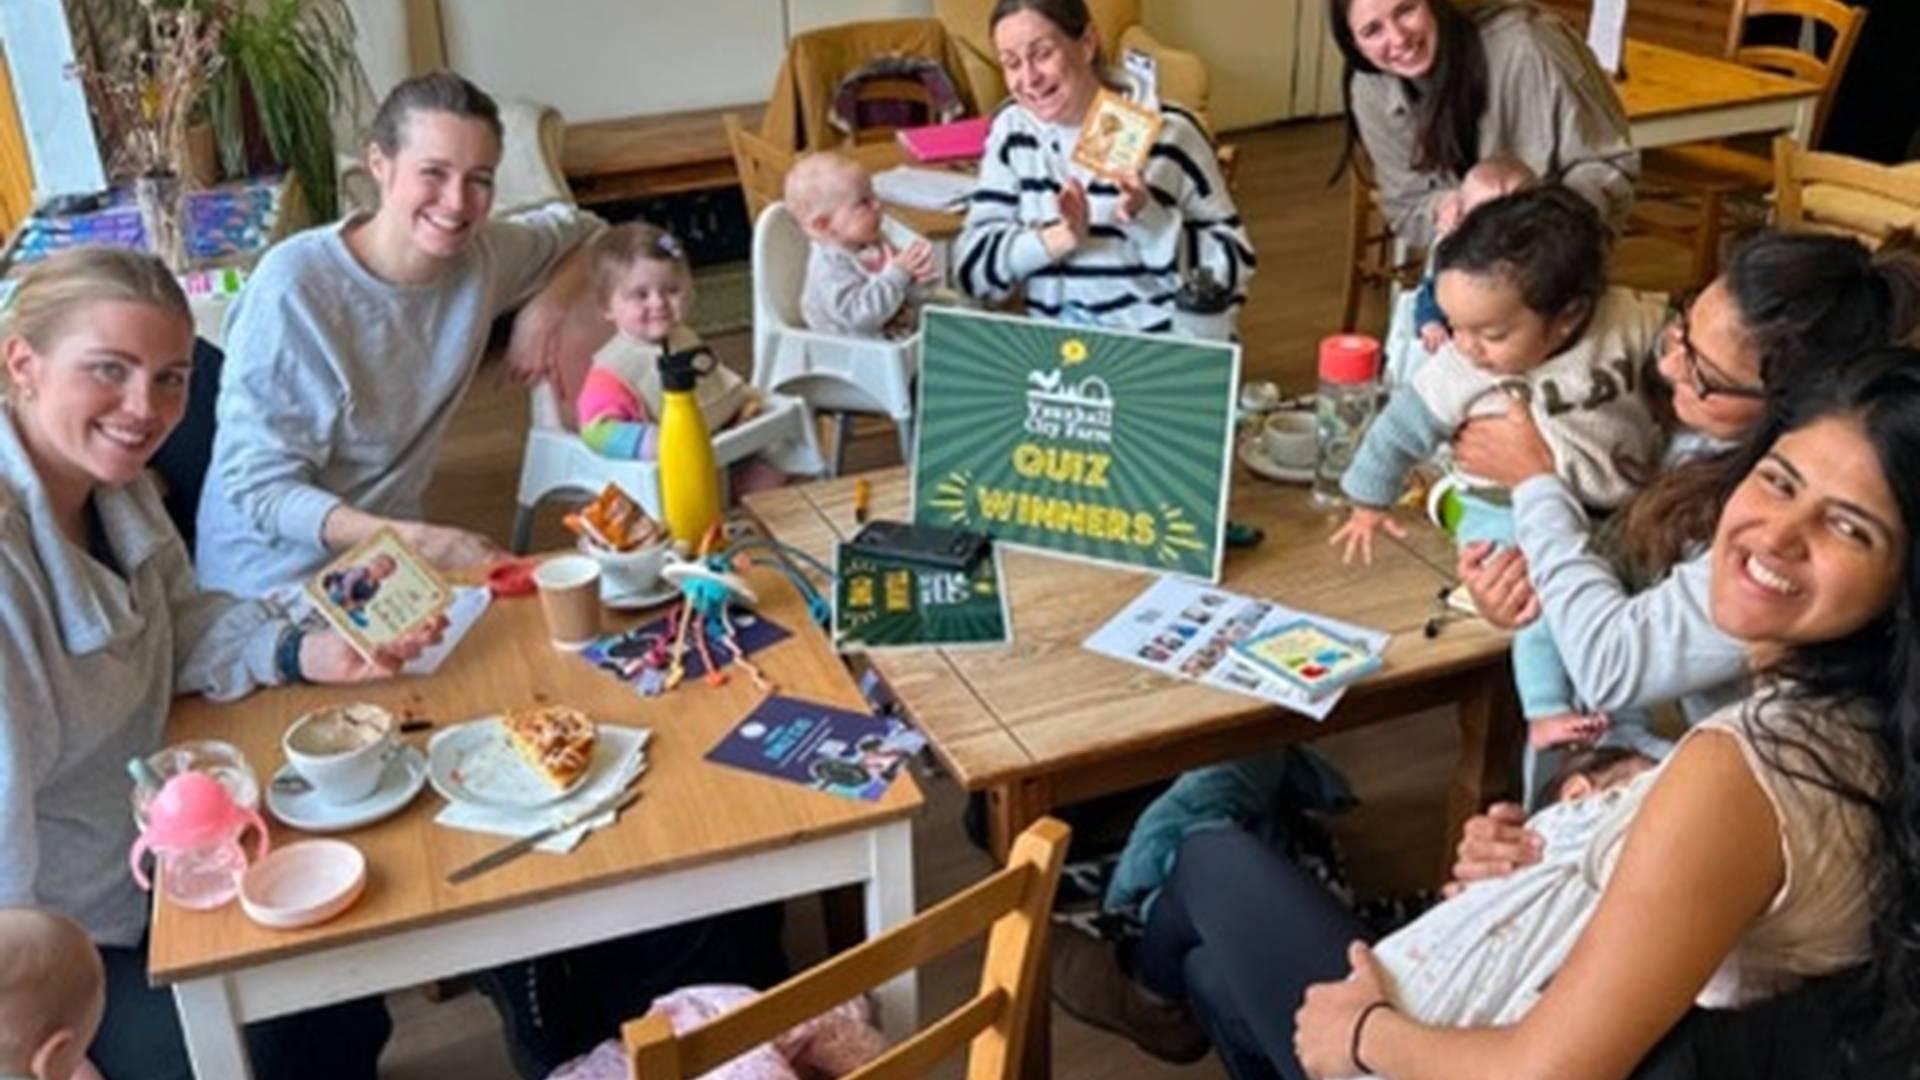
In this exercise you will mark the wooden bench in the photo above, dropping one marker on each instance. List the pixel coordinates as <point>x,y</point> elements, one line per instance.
<point>638,157</point>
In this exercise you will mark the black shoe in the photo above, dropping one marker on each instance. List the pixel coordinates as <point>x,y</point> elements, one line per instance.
<point>1089,984</point>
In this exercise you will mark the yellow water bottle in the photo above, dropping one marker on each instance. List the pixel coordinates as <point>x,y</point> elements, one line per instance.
<point>689,483</point>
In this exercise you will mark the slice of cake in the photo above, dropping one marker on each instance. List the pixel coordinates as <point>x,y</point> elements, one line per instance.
<point>557,740</point>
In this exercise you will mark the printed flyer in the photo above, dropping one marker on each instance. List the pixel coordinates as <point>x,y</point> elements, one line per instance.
<point>821,747</point>
<point>1188,631</point>
<point>1102,445</point>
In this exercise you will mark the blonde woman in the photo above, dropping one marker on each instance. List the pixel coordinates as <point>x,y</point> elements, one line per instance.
<point>101,625</point>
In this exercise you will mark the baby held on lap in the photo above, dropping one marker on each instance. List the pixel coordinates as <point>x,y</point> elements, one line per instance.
<point>52,995</point>
<point>857,284</point>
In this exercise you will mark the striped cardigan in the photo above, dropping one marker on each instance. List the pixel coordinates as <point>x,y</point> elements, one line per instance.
<point>1122,276</point>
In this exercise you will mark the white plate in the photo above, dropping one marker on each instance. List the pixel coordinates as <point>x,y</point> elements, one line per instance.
<point>475,763</point>
<point>640,601</point>
<point>406,774</point>
<point>1254,456</point>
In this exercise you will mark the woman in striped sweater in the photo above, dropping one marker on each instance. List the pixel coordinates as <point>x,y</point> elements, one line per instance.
<point>1077,246</point>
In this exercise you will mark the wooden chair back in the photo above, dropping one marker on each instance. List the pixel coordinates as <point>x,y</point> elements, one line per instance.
<point>1370,244</point>
<point>1011,907</point>
<point>898,91</point>
<point>1835,193</point>
<point>1842,24</point>
<point>762,166</point>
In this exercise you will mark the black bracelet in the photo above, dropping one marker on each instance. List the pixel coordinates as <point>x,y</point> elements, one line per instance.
<point>286,655</point>
<point>1359,1026</point>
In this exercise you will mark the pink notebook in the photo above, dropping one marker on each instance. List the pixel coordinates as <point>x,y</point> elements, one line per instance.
<point>957,141</point>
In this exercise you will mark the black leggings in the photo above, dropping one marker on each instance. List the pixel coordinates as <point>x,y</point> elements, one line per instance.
<point>1240,933</point>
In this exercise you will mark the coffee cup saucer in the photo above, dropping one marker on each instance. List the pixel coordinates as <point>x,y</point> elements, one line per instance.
<point>305,810</point>
<point>641,599</point>
<point>1253,454</point>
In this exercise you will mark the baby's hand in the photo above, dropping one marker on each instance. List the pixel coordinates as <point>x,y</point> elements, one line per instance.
<point>1357,533</point>
<point>917,260</point>
<point>1432,336</point>
<point>751,405</point>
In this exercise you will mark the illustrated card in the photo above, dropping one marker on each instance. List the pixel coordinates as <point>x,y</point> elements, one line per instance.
<point>378,592</point>
<point>1309,656</point>
<point>881,602</point>
<point>822,747</point>
<point>1116,135</point>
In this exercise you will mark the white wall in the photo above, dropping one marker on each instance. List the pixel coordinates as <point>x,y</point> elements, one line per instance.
<point>53,106</point>
<point>1248,46</point>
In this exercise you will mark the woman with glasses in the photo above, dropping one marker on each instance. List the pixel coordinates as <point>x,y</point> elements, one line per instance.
<point>1627,598</point>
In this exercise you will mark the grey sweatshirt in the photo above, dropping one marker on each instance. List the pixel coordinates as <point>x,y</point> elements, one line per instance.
<point>89,664</point>
<point>1548,104</point>
<point>339,386</point>
<point>843,297</point>
<point>1624,650</point>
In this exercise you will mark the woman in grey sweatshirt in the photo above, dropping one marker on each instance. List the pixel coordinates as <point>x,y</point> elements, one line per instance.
<point>101,623</point>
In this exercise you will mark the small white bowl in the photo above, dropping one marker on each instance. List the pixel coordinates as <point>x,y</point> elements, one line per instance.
<point>303,884</point>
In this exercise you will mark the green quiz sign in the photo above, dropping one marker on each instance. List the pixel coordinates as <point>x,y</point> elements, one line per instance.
<point>1098,444</point>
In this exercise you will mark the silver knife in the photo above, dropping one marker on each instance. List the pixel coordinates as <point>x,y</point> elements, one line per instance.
<point>615,802</point>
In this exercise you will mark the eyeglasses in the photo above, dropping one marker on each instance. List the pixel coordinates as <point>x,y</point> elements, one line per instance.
<point>1706,377</point>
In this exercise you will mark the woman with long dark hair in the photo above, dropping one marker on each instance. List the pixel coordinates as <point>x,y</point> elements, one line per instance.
<point>1432,90</point>
<point>1779,843</point>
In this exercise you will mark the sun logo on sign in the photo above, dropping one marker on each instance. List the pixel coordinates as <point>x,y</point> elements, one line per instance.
<point>1073,351</point>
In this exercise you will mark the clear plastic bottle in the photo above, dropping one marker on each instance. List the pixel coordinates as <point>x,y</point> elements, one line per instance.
<point>1349,391</point>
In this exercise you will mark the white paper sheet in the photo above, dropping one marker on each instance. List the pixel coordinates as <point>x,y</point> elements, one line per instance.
<point>1183,629</point>
<point>1606,33</point>
<point>923,189</point>
<point>469,603</point>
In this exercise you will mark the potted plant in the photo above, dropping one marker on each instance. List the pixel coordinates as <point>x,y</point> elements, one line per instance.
<point>284,69</point>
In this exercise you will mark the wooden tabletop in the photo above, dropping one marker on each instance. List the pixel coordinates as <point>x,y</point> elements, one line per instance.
<point>1044,703</point>
<point>1664,82</point>
<point>692,812</point>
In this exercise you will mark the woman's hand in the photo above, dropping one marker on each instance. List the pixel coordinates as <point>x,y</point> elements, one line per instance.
<point>1496,577</point>
<point>1323,1027</point>
<point>1063,237</point>
<point>1357,534</point>
<point>533,350</point>
<point>1133,197</point>
<point>448,548</point>
<point>1505,449</point>
<point>326,657</point>
<point>1493,845</point>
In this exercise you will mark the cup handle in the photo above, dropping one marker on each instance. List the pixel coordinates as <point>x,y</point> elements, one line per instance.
<point>259,827</point>
<point>133,860</point>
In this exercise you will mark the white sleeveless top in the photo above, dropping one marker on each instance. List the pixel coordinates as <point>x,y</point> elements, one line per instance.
<point>1485,956</point>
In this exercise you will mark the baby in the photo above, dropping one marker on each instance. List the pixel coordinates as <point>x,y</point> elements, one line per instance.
<point>1496,176</point>
<point>1426,961</point>
<point>1523,281</point>
<point>645,287</point>
<point>857,284</point>
<point>52,995</point>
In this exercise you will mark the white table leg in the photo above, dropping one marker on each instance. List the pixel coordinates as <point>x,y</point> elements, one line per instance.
<point>1802,130</point>
<point>890,903</point>
<point>216,1045</point>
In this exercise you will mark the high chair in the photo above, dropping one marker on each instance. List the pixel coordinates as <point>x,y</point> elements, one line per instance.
<point>557,460</point>
<point>1012,907</point>
<point>831,373</point>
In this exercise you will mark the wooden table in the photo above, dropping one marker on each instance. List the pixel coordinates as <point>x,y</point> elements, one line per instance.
<point>1044,722</point>
<point>1672,96</point>
<point>705,839</point>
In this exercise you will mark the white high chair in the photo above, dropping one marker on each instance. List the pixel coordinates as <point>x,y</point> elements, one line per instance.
<point>841,375</point>
<point>556,459</point>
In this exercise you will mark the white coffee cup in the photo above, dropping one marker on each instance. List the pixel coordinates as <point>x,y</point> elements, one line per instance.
<point>1289,438</point>
<point>629,573</point>
<point>342,750</point>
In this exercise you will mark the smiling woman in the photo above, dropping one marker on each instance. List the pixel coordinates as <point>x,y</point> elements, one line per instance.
<point>354,343</point>
<point>1432,90</point>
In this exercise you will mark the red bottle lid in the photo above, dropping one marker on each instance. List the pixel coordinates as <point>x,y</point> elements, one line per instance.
<point>1346,359</point>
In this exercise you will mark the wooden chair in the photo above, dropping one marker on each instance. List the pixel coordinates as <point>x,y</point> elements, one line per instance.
<point>1370,244</point>
<point>1704,176</point>
<point>1012,907</point>
<point>1839,194</point>
<point>762,166</point>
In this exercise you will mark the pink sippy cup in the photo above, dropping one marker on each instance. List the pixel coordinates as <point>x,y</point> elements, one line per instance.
<point>194,829</point>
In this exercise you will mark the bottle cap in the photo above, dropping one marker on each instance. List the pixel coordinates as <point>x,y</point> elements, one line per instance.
<point>681,370</point>
<point>1347,359</point>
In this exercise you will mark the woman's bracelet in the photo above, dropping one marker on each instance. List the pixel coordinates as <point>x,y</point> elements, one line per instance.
<point>286,655</point>
<point>1359,1028</point>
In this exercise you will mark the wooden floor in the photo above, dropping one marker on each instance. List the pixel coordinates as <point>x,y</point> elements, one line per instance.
<point>1400,769</point>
